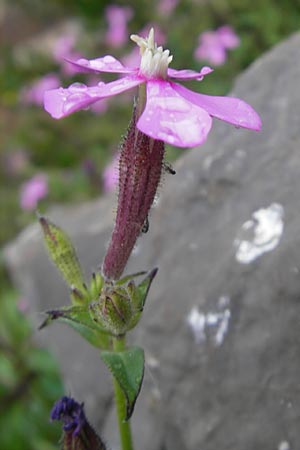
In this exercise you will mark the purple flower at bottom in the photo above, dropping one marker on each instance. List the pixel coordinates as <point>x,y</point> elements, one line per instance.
<point>32,191</point>
<point>172,113</point>
<point>78,433</point>
<point>70,413</point>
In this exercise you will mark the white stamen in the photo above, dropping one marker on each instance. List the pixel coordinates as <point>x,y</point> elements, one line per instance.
<point>154,60</point>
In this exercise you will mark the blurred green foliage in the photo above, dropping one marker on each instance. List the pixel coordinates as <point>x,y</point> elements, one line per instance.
<point>29,383</point>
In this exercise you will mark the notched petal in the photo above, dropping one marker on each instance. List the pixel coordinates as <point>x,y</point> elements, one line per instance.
<point>171,118</point>
<point>189,74</point>
<point>62,102</point>
<point>107,64</point>
<point>230,109</point>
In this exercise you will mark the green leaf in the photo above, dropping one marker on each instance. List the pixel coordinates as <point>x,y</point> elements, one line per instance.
<point>62,253</point>
<point>127,367</point>
<point>78,317</point>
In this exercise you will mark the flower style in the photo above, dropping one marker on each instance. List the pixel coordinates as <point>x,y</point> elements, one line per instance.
<point>134,57</point>
<point>172,113</point>
<point>213,45</point>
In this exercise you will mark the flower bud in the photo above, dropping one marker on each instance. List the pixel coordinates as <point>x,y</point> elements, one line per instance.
<point>113,311</point>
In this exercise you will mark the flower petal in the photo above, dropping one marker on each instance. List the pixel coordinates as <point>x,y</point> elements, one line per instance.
<point>230,109</point>
<point>62,102</point>
<point>171,118</point>
<point>189,74</point>
<point>105,64</point>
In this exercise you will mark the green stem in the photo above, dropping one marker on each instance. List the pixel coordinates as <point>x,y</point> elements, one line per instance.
<point>119,344</point>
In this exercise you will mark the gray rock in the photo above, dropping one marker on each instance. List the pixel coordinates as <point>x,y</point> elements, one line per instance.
<point>221,325</point>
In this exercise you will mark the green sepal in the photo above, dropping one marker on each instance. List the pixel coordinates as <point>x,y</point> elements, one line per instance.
<point>63,254</point>
<point>95,287</point>
<point>129,277</point>
<point>127,367</point>
<point>138,295</point>
<point>78,317</point>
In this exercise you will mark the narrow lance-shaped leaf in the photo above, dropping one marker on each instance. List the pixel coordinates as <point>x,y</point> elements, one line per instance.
<point>62,253</point>
<point>128,369</point>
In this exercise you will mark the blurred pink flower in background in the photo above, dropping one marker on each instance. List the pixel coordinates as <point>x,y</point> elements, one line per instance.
<point>117,18</point>
<point>228,37</point>
<point>212,45</point>
<point>132,59</point>
<point>110,174</point>
<point>64,49</point>
<point>32,191</point>
<point>34,94</point>
<point>166,6</point>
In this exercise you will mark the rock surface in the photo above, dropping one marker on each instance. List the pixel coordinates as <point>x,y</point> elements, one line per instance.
<point>221,325</point>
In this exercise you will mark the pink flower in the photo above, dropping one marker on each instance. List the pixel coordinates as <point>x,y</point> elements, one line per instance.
<point>228,37</point>
<point>110,174</point>
<point>213,45</point>
<point>117,18</point>
<point>172,113</point>
<point>34,94</point>
<point>32,191</point>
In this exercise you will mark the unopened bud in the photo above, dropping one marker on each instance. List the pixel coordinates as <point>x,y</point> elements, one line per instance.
<point>113,311</point>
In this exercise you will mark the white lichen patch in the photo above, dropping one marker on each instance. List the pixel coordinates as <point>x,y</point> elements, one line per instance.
<point>260,234</point>
<point>211,326</point>
<point>284,445</point>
